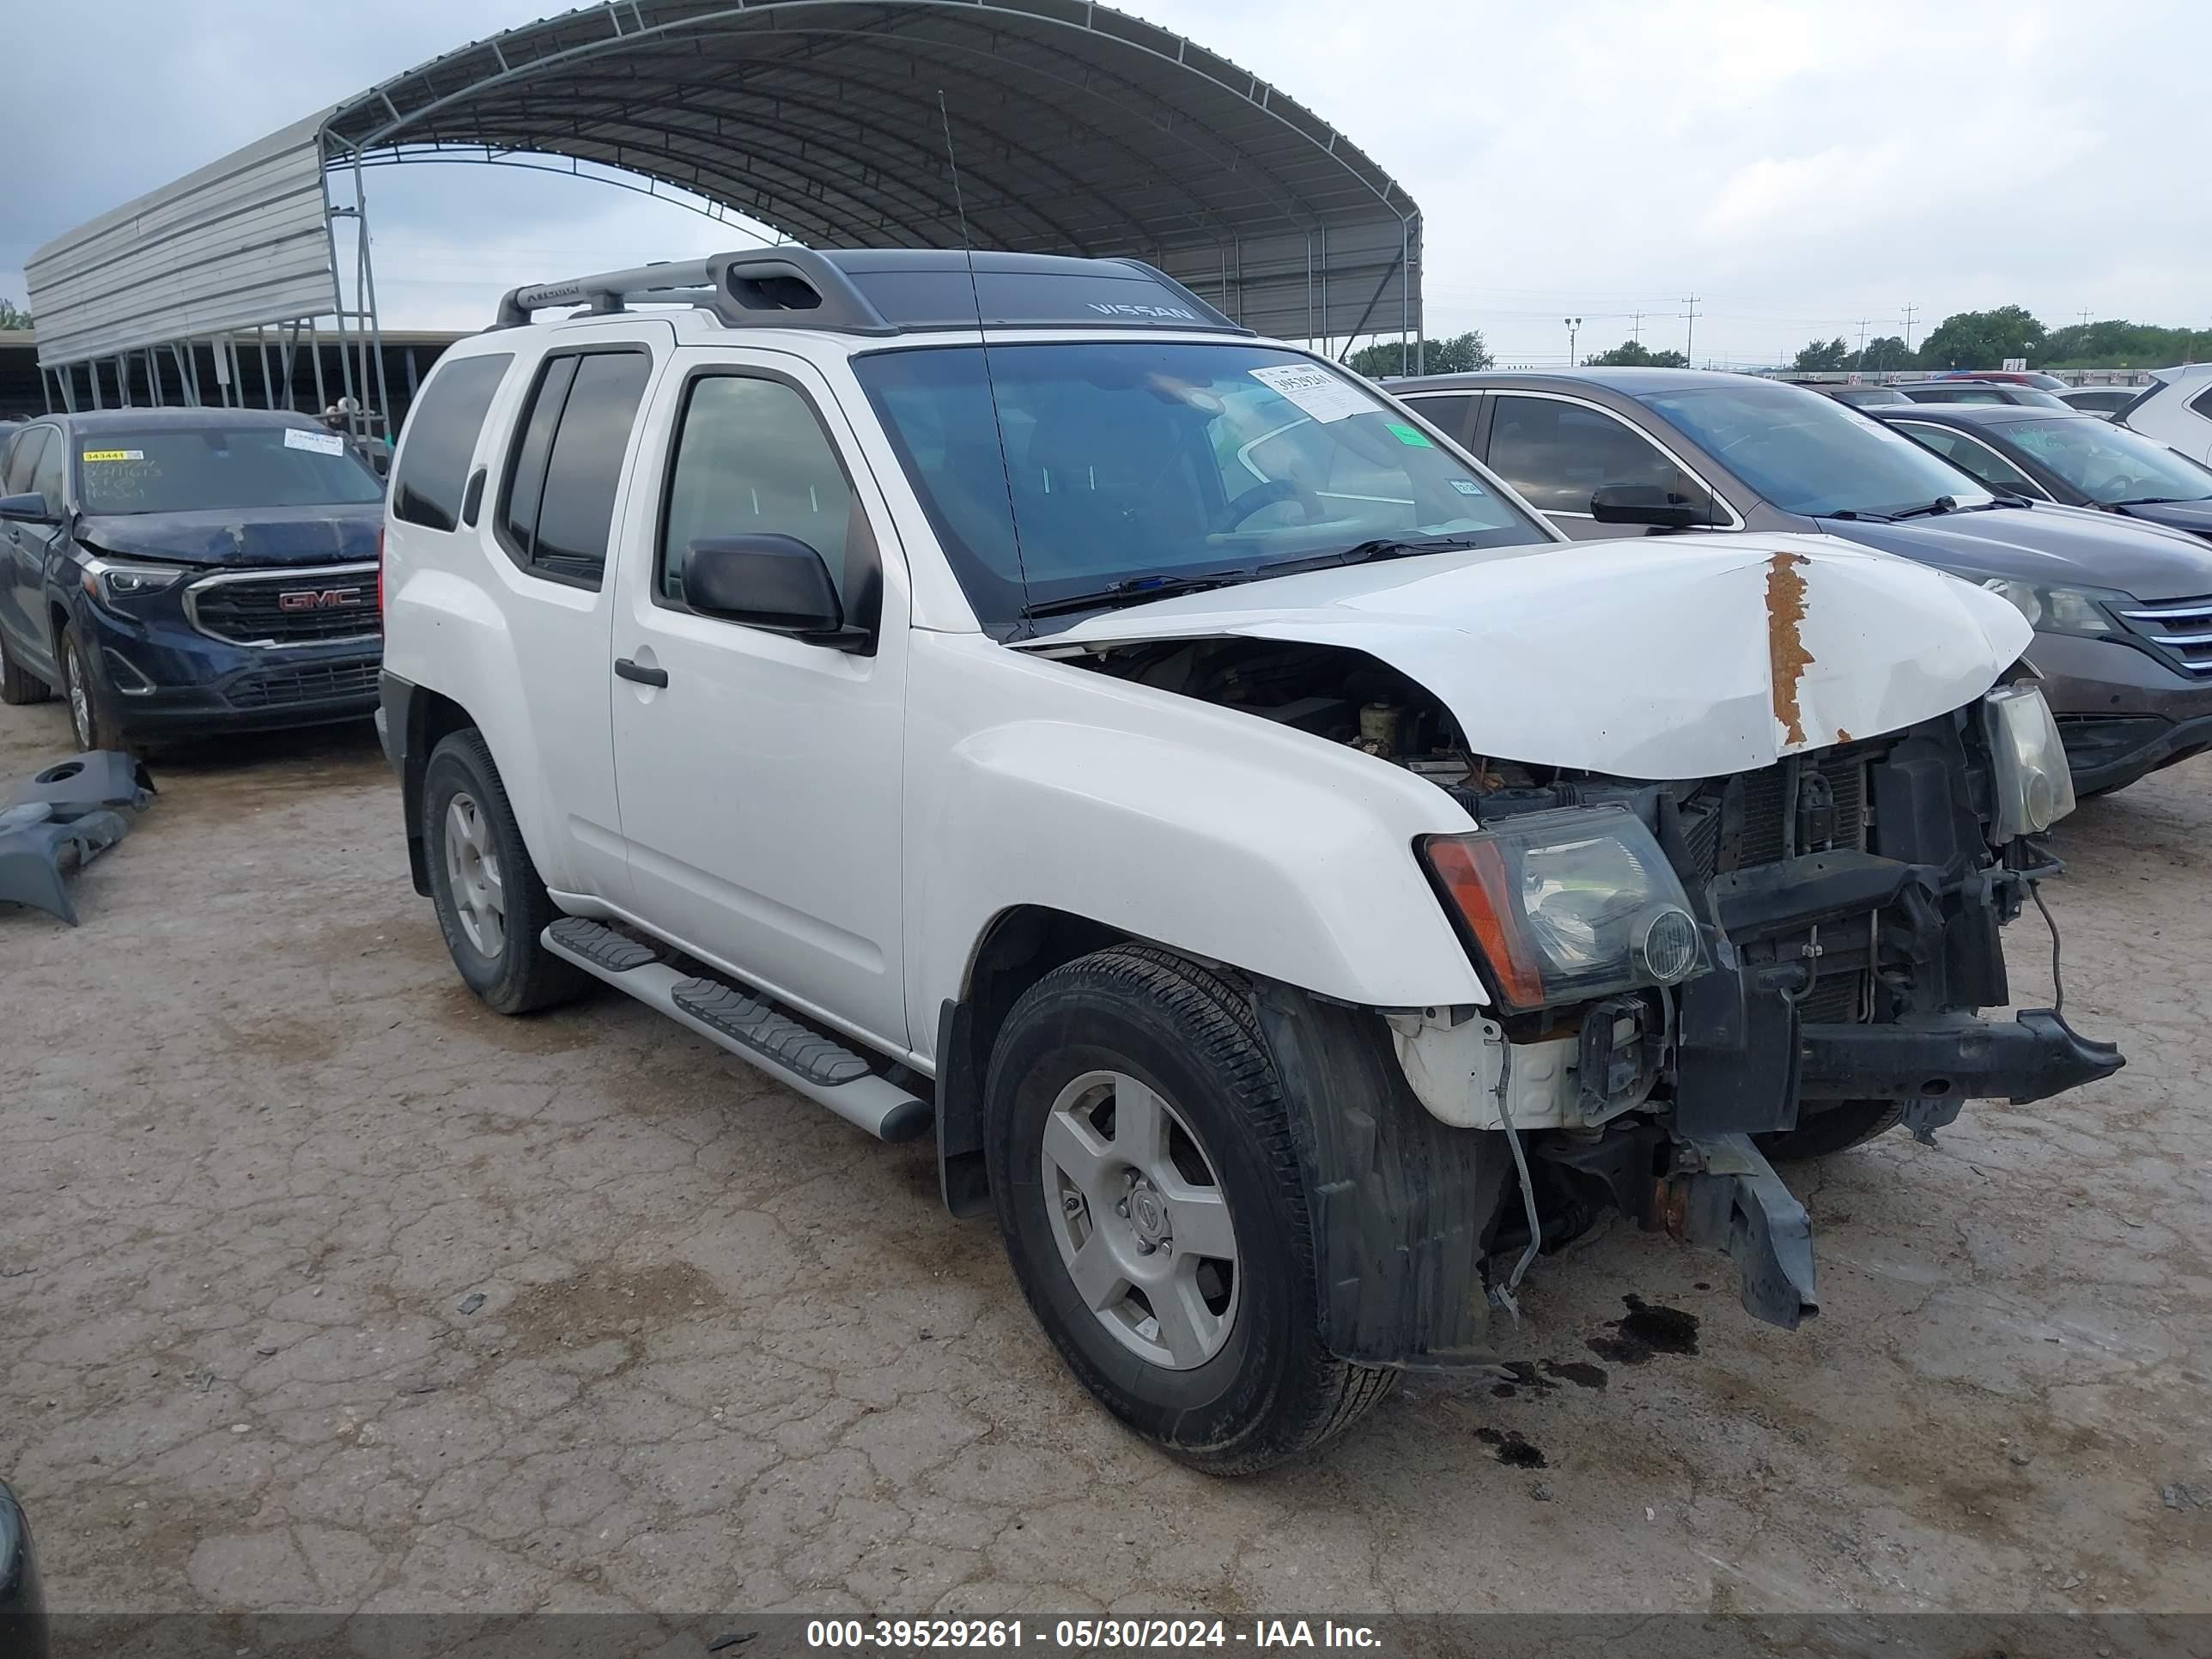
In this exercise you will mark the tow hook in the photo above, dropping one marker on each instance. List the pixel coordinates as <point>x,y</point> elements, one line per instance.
<point>1722,1194</point>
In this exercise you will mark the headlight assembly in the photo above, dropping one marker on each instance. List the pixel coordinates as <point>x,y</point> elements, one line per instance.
<point>115,580</point>
<point>1568,905</point>
<point>2057,610</point>
<point>2031,785</point>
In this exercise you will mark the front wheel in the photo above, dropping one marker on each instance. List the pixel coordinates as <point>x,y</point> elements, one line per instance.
<point>1149,1195</point>
<point>1836,1127</point>
<point>90,722</point>
<point>491,905</point>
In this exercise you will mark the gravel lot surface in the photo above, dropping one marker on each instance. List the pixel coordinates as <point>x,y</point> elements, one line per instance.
<point>321,1287</point>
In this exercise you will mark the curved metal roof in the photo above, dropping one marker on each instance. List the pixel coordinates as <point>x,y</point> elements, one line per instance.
<point>1078,129</point>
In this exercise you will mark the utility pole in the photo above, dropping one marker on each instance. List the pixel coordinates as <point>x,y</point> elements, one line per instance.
<point>1637,332</point>
<point>1863,321</point>
<point>1908,310</point>
<point>2084,315</point>
<point>1689,337</point>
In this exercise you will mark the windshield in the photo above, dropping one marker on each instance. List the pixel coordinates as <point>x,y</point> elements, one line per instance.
<point>198,469</point>
<point>1132,459</point>
<point>2110,464</point>
<point>1810,455</point>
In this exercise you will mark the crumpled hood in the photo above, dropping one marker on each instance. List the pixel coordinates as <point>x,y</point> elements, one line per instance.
<point>2076,546</point>
<point>240,536</point>
<point>1657,657</point>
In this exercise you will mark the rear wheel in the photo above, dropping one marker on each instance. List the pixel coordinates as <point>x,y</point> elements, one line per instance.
<point>491,905</point>
<point>1838,1127</point>
<point>1149,1198</point>
<point>19,686</point>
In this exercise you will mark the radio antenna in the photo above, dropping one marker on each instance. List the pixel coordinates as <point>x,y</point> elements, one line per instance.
<point>990,383</point>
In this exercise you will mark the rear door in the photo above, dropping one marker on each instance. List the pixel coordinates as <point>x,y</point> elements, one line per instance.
<point>1558,451</point>
<point>22,548</point>
<point>761,784</point>
<point>549,514</point>
<point>32,548</point>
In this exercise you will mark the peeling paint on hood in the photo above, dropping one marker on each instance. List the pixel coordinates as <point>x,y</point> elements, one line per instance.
<point>1656,657</point>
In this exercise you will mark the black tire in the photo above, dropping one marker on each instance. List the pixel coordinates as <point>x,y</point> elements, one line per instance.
<point>1838,1127</point>
<point>92,722</point>
<point>522,975</point>
<point>1272,1391</point>
<point>18,685</point>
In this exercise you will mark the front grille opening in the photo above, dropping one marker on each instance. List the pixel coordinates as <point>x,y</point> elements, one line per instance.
<point>289,607</point>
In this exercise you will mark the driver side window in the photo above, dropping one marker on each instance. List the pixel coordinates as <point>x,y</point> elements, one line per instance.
<point>1558,454</point>
<point>752,458</point>
<point>1977,460</point>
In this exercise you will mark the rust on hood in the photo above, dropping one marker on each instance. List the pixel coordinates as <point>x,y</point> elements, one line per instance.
<point>1786,655</point>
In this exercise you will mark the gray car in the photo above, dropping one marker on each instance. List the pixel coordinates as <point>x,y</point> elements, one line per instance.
<point>2122,610</point>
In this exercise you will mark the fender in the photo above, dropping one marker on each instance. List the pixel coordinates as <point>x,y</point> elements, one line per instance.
<point>1211,832</point>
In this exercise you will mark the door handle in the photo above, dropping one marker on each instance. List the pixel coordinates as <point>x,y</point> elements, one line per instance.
<point>627,670</point>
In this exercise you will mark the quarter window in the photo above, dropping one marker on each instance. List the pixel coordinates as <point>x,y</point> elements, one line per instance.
<point>441,439</point>
<point>1452,414</point>
<point>1558,454</point>
<point>46,473</point>
<point>752,458</point>
<point>568,464</point>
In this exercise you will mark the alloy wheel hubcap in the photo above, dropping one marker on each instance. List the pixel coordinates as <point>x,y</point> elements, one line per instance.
<point>1142,1226</point>
<point>80,700</point>
<point>473,873</point>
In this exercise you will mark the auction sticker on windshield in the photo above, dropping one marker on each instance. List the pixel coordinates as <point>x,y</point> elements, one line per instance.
<point>114,455</point>
<point>322,443</point>
<point>1315,391</point>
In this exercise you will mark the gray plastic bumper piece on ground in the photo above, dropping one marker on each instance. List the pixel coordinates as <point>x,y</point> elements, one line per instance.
<point>604,947</point>
<point>85,783</point>
<point>31,845</point>
<point>750,1026</point>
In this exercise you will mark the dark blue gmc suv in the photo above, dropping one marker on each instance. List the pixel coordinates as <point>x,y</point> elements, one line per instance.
<point>178,573</point>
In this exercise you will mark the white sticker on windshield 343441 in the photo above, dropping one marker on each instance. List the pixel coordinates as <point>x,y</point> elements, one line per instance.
<point>1315,389</point>
<point>322,443</point>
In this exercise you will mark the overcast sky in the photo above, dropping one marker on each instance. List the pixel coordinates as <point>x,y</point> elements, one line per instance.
<point>1799,166</point>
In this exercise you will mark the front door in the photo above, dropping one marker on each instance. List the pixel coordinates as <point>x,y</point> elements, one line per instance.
<point>34,466</point>
<point>760,786</point>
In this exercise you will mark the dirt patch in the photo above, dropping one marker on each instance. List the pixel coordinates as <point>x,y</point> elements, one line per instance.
<point>608,1303</point>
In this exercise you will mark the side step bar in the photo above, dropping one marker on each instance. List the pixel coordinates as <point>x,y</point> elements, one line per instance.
<point>750,1026</point>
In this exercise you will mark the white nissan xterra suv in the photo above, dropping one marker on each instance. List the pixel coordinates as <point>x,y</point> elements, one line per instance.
<point>1003,699</point>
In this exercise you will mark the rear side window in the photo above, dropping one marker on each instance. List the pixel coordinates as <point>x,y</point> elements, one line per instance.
<point>46,471</point>
<point>1454,414</point>
<point>560,495</point>
<point>441,437</point>
<point>2203,403</point>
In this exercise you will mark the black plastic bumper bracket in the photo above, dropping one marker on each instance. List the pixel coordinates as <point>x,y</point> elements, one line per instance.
<point>1736,1203</point>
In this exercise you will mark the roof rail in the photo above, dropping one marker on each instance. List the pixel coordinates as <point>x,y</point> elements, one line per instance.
<point>790,286</point>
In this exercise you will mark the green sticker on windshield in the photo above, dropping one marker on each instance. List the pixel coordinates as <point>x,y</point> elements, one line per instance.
<point>1411,436</point>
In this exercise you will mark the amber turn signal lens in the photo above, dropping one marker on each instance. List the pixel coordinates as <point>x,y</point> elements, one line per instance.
<point>1473,873</point>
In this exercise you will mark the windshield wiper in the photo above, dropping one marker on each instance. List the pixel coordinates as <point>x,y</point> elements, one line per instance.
<point>2159,500</point>
<point>1856,515</point>
<point>1134,589</point>
<point>1940,504</point>
<point>1366,552</point>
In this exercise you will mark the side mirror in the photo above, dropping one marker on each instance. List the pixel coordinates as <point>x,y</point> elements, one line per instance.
<point>778,583</point>
<point>1646,504</point>
<point>28,509</point>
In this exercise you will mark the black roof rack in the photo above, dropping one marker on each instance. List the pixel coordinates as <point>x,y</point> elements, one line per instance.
<point>880,291</point>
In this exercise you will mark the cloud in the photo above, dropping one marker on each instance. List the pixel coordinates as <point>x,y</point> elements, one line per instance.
<point>1800,166</point>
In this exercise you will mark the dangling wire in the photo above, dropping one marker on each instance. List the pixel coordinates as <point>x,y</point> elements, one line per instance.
<point>990,385</point>
<point>2057,979</point>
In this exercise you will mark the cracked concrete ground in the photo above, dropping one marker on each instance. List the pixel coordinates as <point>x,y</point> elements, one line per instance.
<point>258,1149</point>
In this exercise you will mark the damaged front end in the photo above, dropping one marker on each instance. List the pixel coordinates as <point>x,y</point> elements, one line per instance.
<point>1691,979</point>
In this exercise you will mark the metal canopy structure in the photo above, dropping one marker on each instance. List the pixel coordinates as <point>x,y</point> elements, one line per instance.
<point>1077,129</point>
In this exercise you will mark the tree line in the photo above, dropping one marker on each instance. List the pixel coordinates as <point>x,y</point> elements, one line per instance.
<point>1983,339</point>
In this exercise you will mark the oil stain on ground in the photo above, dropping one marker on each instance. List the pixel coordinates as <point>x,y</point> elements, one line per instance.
<point>1539,1380</point>
<point>1646,1331</point>
<point>1513,1449</point>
